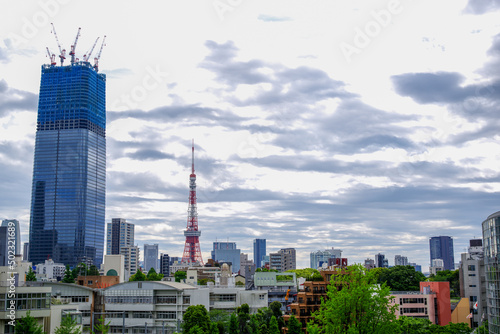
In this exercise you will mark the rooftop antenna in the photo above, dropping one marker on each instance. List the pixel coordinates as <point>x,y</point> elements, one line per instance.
<point>62,54</point>
<point>96,59</point>
<point>86,56</point>
<point>73,47</point>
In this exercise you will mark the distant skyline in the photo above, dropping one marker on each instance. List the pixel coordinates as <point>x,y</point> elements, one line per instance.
<point>364,126</point>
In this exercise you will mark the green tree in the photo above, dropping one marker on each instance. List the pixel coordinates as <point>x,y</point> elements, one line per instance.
<point>196,316</point>
<point>449,276</point>
<point>276,309</point>
<point>68,276</point>
<point>79,270</point>
<point>220,318</point>
<point>483,328</point>
<point>273,326</point>
<point>138,276</point>
<point>294,326</point>
<point>93,271</point>
<point>31,276</point>
<point>356,304</point>
<point>401,278</point>
<point>101,327</point>
<point>153,276</point>
<point>28,325</point>
<point>409,325</point>
<point>233,324</point>
<point>243,319</point>
<point>451,328</point>
<point>68,326</point>
<point>306,273</point>
<point>180,275</point>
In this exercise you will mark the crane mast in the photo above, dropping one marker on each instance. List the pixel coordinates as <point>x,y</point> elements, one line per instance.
<point>96,59</point>
<point>62,54</point>
<point>86,56</point>
<point>73,47</point>
<point>52,57</point>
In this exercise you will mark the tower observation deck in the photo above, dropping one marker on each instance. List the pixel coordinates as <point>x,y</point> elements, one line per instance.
<point>192,252</point>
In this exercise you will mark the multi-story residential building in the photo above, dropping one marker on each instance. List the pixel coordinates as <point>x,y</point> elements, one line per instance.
<point>259,251</point>
<point>280,287</point>
<point>4,241</point>
<point>400,260</point>
<point>283,260</point>
<point>150,257</point>
<point>119,234</point>
<point>436,265</point>
<point>69,170</point>
<point>226,252</point>
<point>247,267</point>
<point>51,270</point>
<point>318,258</point>
<point>442,248</point>
<point>491,240</point>
<point>369,264</point>
<point>131,260</point>
<point>26,250</point>
<point>473,281</point>
<point>164,265</point>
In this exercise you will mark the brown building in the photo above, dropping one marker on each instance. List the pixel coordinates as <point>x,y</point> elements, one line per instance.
<point>97,282</point>
<point>309,299</point>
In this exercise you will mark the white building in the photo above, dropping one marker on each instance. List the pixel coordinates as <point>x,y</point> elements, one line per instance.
<point>319,257</point>
<point>400,260</point>
<point>51,270</point>
<point>131,259</point>
<point>114,265</point>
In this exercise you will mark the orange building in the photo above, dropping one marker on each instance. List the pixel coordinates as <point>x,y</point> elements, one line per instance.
<point>97,282</point>
<point>442,304</point>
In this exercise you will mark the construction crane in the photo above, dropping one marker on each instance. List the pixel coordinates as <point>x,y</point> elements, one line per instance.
<point>96,59</point>
<point>86,56</point>
<point>52,57</point>
<point>62,54</point>
<point>73,47</point>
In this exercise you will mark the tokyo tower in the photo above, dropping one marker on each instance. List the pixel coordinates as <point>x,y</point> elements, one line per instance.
<point>192,252</point>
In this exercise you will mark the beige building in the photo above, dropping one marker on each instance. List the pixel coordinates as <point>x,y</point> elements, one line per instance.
<point>114,265</point>
<point>283,260</point>
<point>131,260</point>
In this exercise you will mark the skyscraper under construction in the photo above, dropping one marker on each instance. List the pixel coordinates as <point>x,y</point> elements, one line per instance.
<point>69,171</point>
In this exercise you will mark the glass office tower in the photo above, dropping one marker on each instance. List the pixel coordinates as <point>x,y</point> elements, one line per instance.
<point>491,246</point>
<point>259,251</point>
<point>442,248</point>
<point>69,172</point>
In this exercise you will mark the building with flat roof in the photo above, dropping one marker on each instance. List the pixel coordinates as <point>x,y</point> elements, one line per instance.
<point>226,252</point>
<point>69,170</point>
<point>259,251</point>
<point>150,257</point>
<point>119,234</point>
<point>491,240</point>
<point>318,258</point>
<point>442,248</point>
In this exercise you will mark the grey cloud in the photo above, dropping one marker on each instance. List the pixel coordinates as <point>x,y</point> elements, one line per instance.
<point>148,154</point>
<point>12,100</point>
<point>272,18</point>
<point>479,7</point>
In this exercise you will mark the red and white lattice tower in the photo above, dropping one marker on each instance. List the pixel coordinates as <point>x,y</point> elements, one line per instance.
<point>192,252</point>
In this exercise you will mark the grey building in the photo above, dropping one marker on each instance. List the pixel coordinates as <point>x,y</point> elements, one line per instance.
<point>400,260</point>
<point>119,234</point>
<point>227,252</point>
<point>283,260</point>
<point>4,254</point>
<point>491,240</point>
<point>473,280</point>
<point>381,261</point>
<point>150,257</point>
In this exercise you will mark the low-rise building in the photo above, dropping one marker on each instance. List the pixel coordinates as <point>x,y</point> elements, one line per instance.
<point>280,287</point>
<point>51,270</point>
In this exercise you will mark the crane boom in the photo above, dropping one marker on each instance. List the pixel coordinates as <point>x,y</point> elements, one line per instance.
<point>62,54</point>
<point>73,47</point>
<point>96,59</point>
<point>86,56</point>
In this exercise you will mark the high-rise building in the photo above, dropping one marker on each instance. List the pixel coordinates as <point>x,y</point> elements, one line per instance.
<point>69,170</point>
<point>4,251</point>
<point>131,260</point>
<point>259,251</point>
<point>227,252</point>
<point>442,248</point>
<point>164,265</point>
<point>491,240</point>
<point>369,264</point>
<point>119,234</point>
<point>400,260</point>
<point>14,224</point>
<point>150,257</point>
<point>319,257</point>
<point>283,260</point>
<point>381,261</point>
<point>26,251</point>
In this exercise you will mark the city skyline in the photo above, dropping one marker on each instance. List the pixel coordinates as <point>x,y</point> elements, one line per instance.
<point>364,127</point>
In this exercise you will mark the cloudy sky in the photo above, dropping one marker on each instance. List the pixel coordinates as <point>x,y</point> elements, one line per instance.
<point>317,124</point>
